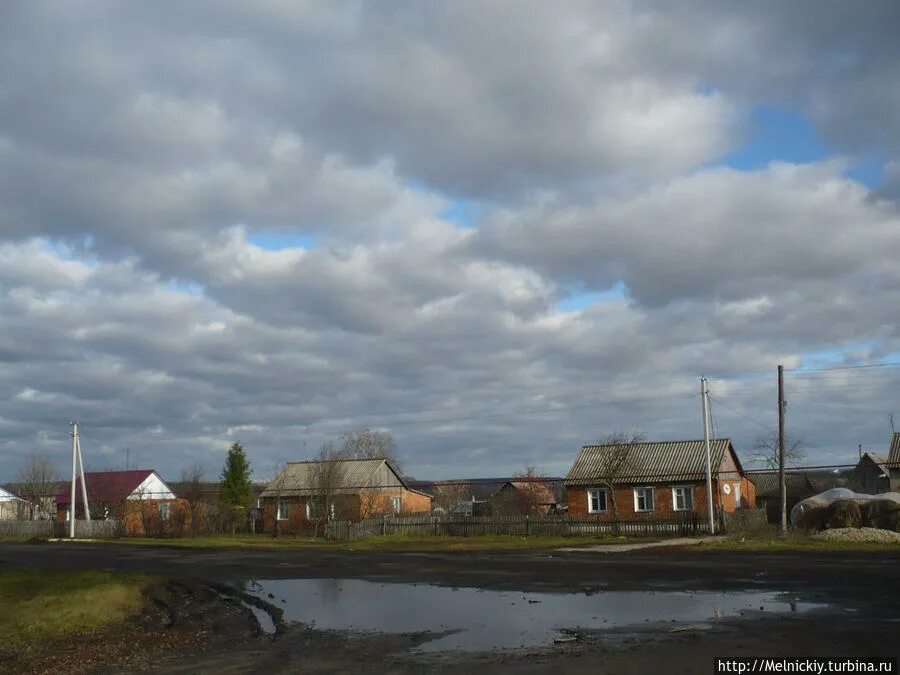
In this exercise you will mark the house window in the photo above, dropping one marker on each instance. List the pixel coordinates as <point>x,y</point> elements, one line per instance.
<point>164,511</point>
<point>683,498</point>
<point>311,511</point>
<point>69,513</point>
<point>396,503</point>
<point>643,499</point>
<point>596,501</point>
<point>282,510</point>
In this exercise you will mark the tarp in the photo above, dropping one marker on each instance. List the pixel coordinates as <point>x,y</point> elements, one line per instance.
<point>827,498</point>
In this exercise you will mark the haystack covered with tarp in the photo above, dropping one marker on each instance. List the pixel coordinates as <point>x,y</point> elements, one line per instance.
<point>843,508</point>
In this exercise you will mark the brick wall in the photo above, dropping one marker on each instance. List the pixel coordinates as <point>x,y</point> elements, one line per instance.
<point>347,507</point>
<point>663,505</point>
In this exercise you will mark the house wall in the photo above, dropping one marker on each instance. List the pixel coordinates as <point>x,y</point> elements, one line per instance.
<point>142,518</point>
<point>866,478</point>
<point>662,499</point>
<point>354,507</point>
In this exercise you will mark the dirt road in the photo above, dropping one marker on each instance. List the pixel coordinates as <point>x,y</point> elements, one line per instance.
<point>852,596</point>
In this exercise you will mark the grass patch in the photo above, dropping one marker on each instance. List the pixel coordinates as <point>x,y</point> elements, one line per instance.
<point>792,541</point>
<point>385,543</point>
<point>38,607</point>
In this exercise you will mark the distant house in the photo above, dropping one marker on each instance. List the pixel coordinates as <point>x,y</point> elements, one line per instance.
<point>871,475</point>
<point>799,486</point>
<point>661,478</point>
<point>473,496</point>
<point>357,489</point>
<point>875,473</point>
<point>138,497</point>
<point>525,497</point>
<point>41,498</point>
<point>13,508</point>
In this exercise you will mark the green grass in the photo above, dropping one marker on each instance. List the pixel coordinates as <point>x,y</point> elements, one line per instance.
<point>386,543</point>
<point>39,607</point>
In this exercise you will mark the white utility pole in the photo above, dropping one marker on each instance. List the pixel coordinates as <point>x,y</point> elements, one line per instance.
<point>72,494</point>
<point>710,507</point>
<point>77,460</point>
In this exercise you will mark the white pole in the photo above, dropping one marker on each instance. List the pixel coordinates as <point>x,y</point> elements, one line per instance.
<point>72,501</point>
<point>710,507</point>
<point>87,509</point>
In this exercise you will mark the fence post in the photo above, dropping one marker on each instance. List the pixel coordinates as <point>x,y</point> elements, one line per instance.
<point>527,525</point>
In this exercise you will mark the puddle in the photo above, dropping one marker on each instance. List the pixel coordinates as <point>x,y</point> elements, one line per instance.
<point>475,620</point>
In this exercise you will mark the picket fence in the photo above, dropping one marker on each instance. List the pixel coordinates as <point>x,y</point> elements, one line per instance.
<point>91,529</point>
<point>687,524</point>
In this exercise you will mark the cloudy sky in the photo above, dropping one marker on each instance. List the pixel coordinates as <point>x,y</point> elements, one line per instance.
<point>496,229</point>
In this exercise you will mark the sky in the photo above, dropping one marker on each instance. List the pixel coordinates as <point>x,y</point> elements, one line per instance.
<point>496,230</point>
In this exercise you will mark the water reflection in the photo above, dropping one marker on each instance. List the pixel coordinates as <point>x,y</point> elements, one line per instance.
<point>485,620</point>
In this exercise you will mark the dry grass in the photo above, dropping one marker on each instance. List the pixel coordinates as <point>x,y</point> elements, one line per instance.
<point>38,607</point>
<point>771,540</point>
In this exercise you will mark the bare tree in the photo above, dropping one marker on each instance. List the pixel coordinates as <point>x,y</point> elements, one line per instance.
<point>192,493</point>
<point>38,482</point>
<point>326,479</point>
<point>615,464</point>
<point>447,497</point>
<point>525,498</point>
<point>370,444</point>
<point>767,450</point>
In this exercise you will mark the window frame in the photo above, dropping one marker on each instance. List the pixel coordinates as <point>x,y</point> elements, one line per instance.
<point>396,503</point>
<point>643,490</point>
<point>165,511</point>
<point>598,490</point>
<point>690,492</point>
<point>279,505</point>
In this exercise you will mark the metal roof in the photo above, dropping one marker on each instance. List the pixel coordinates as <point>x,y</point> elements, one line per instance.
<point>767,482</point>
<point>299,478</point>
<point>106,486</point>
<point>648,462</point>
<point>894,456</point>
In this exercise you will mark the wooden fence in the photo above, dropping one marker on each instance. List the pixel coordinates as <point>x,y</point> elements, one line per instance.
<point>92,529</point>
<point>452,525</point>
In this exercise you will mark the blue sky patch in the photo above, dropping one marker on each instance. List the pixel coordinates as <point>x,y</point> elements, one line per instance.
<point>279,241</point>
<point>464,213</point>
<point>823,358</point>
<point>783,135</point>
<point>579,300</point>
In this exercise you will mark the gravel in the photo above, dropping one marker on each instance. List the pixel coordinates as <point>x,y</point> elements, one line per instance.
<point>860,534</point>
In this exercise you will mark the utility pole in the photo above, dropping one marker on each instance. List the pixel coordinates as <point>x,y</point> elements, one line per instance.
<point>77,461</point>
<point>782,491</point>
<point>72,494</point>
<point>710,507</point>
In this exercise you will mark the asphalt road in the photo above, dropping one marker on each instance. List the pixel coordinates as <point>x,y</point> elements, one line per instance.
<point>861,576</point>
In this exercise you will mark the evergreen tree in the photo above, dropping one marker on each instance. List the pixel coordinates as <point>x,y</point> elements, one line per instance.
<point>236,478</point>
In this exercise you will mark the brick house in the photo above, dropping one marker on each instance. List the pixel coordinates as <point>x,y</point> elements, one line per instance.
<point>138,497</point>
<point>299,501</point>
<point>656,480</point>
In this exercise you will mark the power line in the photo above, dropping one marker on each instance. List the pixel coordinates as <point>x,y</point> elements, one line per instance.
<point>802,371</point>
<point>746,417</point>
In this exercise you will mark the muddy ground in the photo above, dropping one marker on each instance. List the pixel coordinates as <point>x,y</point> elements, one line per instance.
<point>199,624</point>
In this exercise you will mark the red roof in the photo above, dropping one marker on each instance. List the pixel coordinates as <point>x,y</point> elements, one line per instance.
<point>105,486</point>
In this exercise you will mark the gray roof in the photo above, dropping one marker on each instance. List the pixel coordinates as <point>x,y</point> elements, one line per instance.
<point>894,456</point>
<point>649,462</point>
<point>298,478</point>
<point>880,460</point>
<point>767,482</point>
